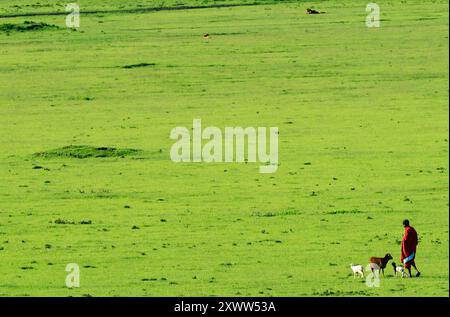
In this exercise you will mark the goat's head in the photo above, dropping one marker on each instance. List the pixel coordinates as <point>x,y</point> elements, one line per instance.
<point>388,257</point>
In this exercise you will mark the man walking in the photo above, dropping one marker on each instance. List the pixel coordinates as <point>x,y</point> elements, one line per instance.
<point>409,244</point>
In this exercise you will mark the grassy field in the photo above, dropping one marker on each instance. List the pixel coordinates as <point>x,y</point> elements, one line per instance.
<point>363,120</point>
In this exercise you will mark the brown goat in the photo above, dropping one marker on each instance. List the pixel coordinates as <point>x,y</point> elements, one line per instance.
<point>381,262</point>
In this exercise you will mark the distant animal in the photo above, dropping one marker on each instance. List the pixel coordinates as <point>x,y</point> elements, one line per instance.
<point>398,270</point>
<point>380,262</point>
<point>312,11</point>
<point>357,270</point>
<point>206,36</point>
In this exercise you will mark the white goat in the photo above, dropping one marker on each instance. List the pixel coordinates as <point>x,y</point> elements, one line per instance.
<point>399,270</point>
<point>357,270</point>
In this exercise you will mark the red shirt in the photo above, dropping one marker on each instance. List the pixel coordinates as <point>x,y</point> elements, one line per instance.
<point>409,242</point>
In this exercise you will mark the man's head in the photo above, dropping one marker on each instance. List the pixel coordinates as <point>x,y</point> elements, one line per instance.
<point>406,223</point>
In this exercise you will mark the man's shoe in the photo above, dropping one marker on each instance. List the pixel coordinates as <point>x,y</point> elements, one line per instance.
<point>417,274</point>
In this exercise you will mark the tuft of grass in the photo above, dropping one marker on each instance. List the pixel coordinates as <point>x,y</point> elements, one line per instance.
<point>138,65</point>
<point>86,151</point>
<point>343,212</point>
<point>277,213</point>
<point>60,221</point>
<point>27,26</point>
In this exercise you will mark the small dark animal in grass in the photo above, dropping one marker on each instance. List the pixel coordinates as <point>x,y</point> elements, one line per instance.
<point>380,262</point>
<point>206,36</point>
<point>312,11</point>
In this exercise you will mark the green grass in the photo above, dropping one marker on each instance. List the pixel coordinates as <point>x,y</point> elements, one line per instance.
<point>44,6</point>
<point>363,119</point>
